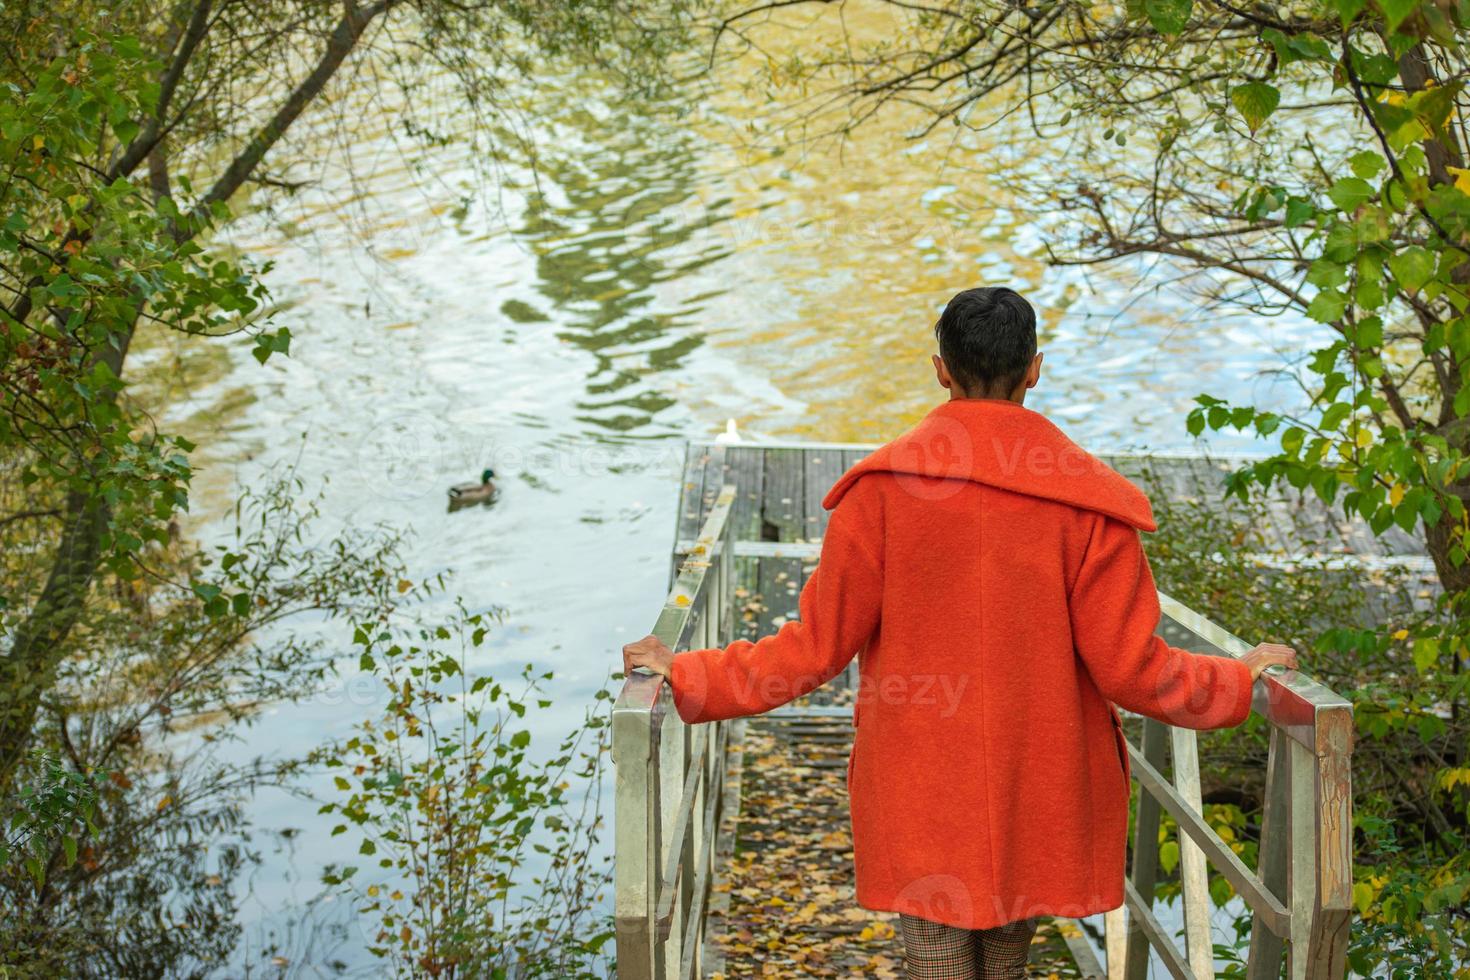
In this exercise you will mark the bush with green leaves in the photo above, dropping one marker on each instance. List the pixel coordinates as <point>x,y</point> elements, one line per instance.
<point>476,854</point>
<point>1226,558</point>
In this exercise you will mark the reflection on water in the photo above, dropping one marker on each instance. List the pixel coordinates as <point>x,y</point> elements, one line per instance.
<point>607,229</point>
<point>657,274</point>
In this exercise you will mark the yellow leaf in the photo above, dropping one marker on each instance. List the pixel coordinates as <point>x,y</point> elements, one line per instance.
<point>1363,895</point>
<point>404,585</point>
<point>1401,635</point>
<point>163,803</point>
<point>1396,495</point>
<point>372,891</point>
<point>1462,178</point>
<point>681,600</point>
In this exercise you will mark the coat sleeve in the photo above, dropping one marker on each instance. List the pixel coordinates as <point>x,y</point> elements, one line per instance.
<point>1114,611</point>
<point>839,612</point>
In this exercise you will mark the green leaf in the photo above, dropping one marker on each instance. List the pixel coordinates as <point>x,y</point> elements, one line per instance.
<point>1324,273</point>
<point>1366,164</point>
<point>1395,12</point>
<point>1426,653</point>
<point>1168,16</point>
<point>1169,856</point>
<point>1349,192</point>
<point>1327,306</point>
<point>1342,242</point>
<point>1430,728</point>
<point>1296,47</point>
<point>1291,440</point>
<point>1412,267</point>
<point>1335,415</point>
<point>1299,211</point>
<point>1369,296</point>
<point>1255,101</point>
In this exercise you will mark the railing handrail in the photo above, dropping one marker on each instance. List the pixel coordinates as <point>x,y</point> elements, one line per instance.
<point>1304,708</point>
<point>1301,891</point>
<point>668,782</point>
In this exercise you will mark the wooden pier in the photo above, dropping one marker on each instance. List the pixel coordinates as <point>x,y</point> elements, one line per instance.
<point>697,890</point>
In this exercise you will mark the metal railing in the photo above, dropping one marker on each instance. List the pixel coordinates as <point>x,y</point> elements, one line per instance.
<point>669,777</point>
<point>1300,894</point>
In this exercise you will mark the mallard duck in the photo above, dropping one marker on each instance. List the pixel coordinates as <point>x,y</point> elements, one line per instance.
<point>474,493</point>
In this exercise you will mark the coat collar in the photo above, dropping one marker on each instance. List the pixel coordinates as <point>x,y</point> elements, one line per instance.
<point>1005,445</point>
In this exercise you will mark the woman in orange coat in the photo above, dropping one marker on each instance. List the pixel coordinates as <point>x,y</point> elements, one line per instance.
<point>988,574</point>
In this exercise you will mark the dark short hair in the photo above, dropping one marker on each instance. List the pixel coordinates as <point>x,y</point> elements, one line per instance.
<point>987,337</point>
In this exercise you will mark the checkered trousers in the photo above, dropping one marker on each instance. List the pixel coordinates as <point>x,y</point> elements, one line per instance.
<point>939,952</point>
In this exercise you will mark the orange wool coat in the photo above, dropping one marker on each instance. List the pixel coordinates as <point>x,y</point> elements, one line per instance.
<point>988,575</point>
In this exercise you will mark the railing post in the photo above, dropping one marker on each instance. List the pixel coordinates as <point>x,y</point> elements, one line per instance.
<point>663,808</point>
<point>1145,851</point>
<point>1194,873</point>
<point>1301,876</point>
<point>635,828</point>
<point>1115,941</point>
<point>1267,948</point>
<point>1332,820</point>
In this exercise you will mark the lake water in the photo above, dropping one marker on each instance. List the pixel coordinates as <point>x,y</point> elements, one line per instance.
<point>657,277</point>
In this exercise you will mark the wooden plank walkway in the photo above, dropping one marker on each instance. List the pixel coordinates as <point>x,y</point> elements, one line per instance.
<point>791,804</point>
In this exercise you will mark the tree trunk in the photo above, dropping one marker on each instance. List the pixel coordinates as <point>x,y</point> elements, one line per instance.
<point>26,672</point>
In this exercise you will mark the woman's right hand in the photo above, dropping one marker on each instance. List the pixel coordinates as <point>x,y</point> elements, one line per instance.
<point>1269,655</point>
